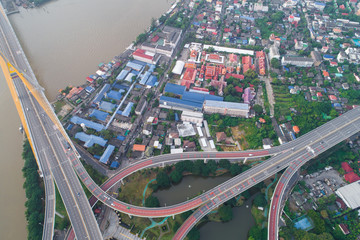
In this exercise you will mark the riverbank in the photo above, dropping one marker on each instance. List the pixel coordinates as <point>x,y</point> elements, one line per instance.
<point>35,194</point>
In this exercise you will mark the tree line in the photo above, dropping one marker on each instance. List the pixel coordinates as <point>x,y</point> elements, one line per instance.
<point>34,194</point>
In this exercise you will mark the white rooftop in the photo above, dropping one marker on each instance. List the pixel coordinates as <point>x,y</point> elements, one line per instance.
<point>350,194</point>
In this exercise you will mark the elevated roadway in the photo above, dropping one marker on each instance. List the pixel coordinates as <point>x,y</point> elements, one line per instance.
<point>34,110</point>
<point>309,146</point>
<point>283,187</point>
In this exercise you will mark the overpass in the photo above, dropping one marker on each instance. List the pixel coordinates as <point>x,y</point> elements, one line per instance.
<point>49,142</point>
<point>309,146</point>
<point>283,187</point>
<point>45,138</point>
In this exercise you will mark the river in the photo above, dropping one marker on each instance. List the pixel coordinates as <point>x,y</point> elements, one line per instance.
<point>64,41</point>
<point>190,186</point>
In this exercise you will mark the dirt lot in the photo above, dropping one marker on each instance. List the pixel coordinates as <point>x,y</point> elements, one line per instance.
<point>239,135</point>
<point>65,110</point>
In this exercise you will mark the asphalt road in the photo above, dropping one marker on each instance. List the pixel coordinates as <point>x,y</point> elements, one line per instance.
<point>46,139</point>
<point>283,187</point>
<point>308,146</point>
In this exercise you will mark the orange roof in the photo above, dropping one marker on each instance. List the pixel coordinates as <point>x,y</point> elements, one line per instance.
<point>139,147</point>
<point>190,65</point>
<point>296,129</point>
<point>325,73</point>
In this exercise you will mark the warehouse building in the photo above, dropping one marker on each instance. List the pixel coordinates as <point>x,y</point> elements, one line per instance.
<point>193,117</point>
<point>226,108</point>
<point>297,61</point>
<point>141,106</point>
<point>350,194</point>
<point>179,104</point>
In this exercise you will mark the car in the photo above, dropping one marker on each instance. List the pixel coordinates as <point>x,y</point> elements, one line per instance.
<point>128,207</point>
<point>250,154</point>
<point>274,207</point>
<point>27,109</point>
<point>78,194</point>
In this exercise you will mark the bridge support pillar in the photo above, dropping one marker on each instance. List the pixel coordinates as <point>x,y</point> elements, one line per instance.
<point>122,181</point>
<point>162,164</point>
<point>245,160</point>
<point>205,160</point>
<point>130,216</point>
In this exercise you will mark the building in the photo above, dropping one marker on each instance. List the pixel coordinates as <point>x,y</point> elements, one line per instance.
<point>139,147</point>
<point>350,194</point>
<point>179,104</point>
<point>297,61</point>
<point>274,52</point>
<point>107,153</point>
<point>193,117</point>
<point>226,108</point>
<point>146,56</point>
<point>316,56</point>
<point>260,56</point>
<point>178,68</point>
<point>141,106</point>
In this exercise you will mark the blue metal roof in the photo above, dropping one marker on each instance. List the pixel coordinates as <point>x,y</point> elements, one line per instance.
<point>100,94</point>
<point>78,120</point>
<point>122,75</point>
<point>114,95</point>
<point>107,153</point>
<point>90,140</point>
<point>121,138</point>
<point>199,97</point>
<point>121,86</point>
<point>114,164</point>
<point>107,107</point>
<point>127,109</point>
<point>89,89</point>
<point>187,104</point>
<point>174,88</point>
<point>145,77</point>
<point>69,127</point>
<point>139,62</point>
<point>99,115</point>
<point>152,81</point>
<point>136,66</point>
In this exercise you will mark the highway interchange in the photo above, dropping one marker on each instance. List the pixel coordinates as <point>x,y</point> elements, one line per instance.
<point>57,161</point>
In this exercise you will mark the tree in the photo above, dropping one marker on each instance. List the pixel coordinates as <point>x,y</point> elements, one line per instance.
<point>235,169</point>
<point>275,63</point>
<point>194,234</point>
<point>152,201</point>
<point>260,201</point>
<point>318,222</point>
<point>162,179</point>
<point>255,232</point>
<point>225,213</point>
<point>258,109</point>
<point>224,163</point>
<point>175,176</point>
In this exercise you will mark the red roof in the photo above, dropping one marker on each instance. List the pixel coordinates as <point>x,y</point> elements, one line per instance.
<point>89,79</point>
<point>214,57</point>
<point>332,97</point>
<point>190,74</point>
<point>351,177</point>
<point>226,30</point>
<point>346,167</point>
<point>142,53</point>
<point>319,94</point>
<point>155,39</point>
<point>201,89</point>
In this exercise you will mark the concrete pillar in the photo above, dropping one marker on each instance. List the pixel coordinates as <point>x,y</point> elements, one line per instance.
<point>173,216</point>
<point>205,160</point>
<point>162,164</point>
<point>122,181</point>
<point>245,160</point>
<point>130,216</point>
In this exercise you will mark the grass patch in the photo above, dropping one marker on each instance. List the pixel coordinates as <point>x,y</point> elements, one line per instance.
<point>258,215</point>
<point>60,223</point>
<point>58,106</point>
<point>132,191</point>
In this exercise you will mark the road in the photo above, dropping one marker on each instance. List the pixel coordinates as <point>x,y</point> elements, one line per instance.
<point>309,146</point>
<point>46,138</point>
<point>283,187</point>
<point>302,149</point>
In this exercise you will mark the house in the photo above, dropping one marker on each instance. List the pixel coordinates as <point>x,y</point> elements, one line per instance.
<point>220,136</point>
